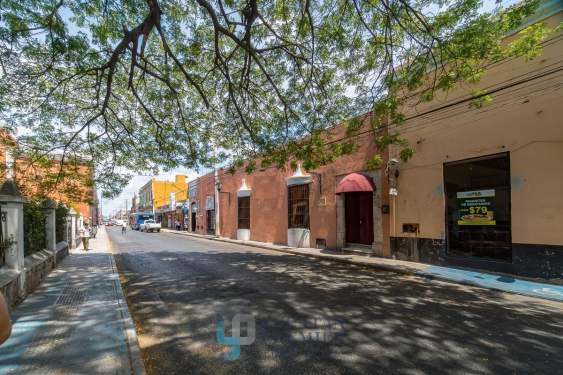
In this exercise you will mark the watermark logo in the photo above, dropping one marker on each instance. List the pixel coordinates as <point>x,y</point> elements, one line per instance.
<point>235,341</point>
<point>323,330</point>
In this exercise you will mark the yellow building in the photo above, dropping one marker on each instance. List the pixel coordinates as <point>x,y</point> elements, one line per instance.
<point>155,195</point>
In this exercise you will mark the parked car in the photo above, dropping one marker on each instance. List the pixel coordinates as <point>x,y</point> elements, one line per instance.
<point>150,226</point>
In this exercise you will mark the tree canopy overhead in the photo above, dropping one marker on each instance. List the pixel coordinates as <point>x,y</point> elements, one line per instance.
<point>141,84</point>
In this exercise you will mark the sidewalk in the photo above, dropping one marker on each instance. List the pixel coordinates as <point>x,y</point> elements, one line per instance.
<point>77,322</point>
<point>501,282</point>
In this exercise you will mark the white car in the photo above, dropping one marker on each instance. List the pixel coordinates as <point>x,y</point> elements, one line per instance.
<point>150,226</point>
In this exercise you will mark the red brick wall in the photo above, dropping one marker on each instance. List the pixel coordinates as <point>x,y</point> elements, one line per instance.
<point>206,187</point>
<point>268,203</point>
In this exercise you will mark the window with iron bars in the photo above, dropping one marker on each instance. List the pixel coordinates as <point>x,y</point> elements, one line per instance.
<point>244,213</point>
<point>298,206</point>
<point>210,221</point>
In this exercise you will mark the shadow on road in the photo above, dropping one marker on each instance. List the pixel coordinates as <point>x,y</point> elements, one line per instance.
<point>316,317</point>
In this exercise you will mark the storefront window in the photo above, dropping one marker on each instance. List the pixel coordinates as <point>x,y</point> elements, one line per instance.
<point>478,207</point>
<point>244,213</point>
<point>298,206</point>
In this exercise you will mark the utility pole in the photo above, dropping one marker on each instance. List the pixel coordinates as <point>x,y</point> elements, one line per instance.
<point>217,213</point>
<point>152,200</point>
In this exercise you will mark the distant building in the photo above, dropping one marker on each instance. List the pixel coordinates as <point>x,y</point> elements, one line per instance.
<point>155,195</point>
<point>40,179</point>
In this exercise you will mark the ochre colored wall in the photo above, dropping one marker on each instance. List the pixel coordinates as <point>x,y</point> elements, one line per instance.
<point>162,190</point>
<point>525,120</point>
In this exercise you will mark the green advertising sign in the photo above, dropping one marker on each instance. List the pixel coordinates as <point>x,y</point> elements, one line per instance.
<point>476,207</point>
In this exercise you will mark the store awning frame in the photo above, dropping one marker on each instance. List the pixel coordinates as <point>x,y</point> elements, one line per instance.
<point>354,183</point>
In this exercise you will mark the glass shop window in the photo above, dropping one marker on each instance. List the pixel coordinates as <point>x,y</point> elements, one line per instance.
<point>478,207</point>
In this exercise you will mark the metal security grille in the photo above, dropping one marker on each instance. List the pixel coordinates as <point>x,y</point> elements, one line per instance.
<point>71,298</point>
<point>298,206</point>
<point>244,213</point>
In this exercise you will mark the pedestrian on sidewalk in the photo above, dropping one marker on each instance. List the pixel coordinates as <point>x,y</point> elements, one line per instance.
<point>124,228</point>
<point>85,234</point>
<point>5,322</point>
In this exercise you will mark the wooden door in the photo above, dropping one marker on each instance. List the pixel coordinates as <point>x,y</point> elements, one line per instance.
<point>359,218</point>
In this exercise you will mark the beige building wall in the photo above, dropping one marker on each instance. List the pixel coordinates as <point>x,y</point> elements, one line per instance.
<point>526,120</point>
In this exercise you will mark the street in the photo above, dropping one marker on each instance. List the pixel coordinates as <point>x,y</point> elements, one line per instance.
<point>315,317</point>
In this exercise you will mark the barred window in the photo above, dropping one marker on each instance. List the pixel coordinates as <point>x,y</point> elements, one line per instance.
<point>298,206</point>
<point>210,221</point>
<point>244,213</point>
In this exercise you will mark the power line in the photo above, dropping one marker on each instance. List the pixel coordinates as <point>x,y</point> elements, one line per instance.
<point>448,107</point>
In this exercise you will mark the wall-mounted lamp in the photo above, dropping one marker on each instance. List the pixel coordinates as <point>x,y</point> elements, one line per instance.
<point>392,172</point>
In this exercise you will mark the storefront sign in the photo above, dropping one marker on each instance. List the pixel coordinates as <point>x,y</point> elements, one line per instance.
<point>210,202</point>
<point>476,207</point>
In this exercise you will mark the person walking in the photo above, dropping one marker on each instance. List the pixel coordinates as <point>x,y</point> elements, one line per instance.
<point>124,227</point>
<point>85,234</point>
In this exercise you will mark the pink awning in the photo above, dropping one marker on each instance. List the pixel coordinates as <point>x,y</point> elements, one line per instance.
<point>355,182</point>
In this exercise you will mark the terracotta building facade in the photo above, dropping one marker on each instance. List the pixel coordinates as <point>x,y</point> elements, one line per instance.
<point>77,190</point>
<point>297,207</point>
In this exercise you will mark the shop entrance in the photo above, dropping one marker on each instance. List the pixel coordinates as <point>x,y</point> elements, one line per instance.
<point>193,217</point>
<point>210,221</point>
<point>359,217</point>
<point>478,207</point>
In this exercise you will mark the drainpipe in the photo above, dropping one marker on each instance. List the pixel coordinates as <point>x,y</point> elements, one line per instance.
<point>217,213</point>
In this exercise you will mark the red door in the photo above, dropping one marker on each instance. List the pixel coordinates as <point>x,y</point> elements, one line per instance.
<point>359,218</point>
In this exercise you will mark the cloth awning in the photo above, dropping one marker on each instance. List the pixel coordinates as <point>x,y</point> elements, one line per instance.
<point>355,182</point>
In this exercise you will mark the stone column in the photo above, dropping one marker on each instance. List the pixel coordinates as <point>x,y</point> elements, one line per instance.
<point>340,222</point>
<point>65,235</point>
<point>80,223</point>
<point>11,203</point>
<point>217,204</point>
<point>377,245</point>
<point>51,228</point>
<point>73,229</point>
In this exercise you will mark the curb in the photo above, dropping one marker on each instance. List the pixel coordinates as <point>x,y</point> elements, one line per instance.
<point>383,267</point>
<point>132,341</point>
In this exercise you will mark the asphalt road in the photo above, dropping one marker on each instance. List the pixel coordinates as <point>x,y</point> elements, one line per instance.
<point>318,317</point>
